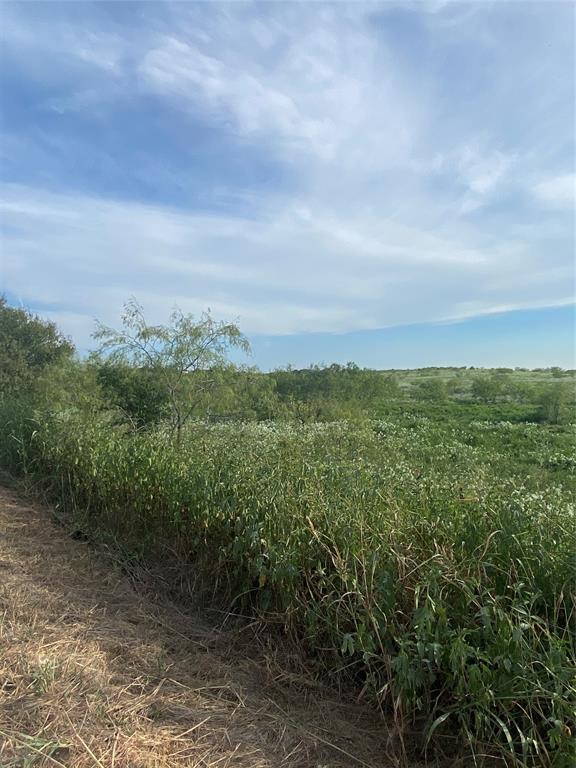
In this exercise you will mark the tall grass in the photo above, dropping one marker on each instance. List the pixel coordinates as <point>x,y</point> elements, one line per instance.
<point>410,557</point>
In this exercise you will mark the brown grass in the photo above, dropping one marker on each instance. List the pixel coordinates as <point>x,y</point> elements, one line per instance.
<point>95,672</point>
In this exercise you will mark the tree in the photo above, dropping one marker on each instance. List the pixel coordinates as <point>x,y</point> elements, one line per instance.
<point>487,388</point>
<point>432,390</point>
<point>522,391</point>
<point>553,403</point>
<point>139,393</point>
<point>182,355</point>
<point>28,346</point>
<point>252,395</point>
<point>456,385</point>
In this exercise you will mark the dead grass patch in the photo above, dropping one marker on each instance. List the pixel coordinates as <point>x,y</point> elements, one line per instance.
<point>97,674</point>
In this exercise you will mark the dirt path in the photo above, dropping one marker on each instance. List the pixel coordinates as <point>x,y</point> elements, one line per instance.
<point>95,673</point>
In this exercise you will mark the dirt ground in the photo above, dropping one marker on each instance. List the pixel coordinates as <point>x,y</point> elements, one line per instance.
<point>95,671</point>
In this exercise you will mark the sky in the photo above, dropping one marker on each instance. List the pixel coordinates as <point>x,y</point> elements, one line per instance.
<point>390,183</point>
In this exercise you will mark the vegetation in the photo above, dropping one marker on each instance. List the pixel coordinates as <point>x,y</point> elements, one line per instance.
<point>181,359</point>
<point>422,548</point>
<point>27,346</point>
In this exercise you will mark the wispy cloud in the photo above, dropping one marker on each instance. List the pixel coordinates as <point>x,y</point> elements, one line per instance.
<point>54,43</point>
<point>311,81</point>
<point>198,81</point>
<point>288,271</point>
<point>483,172</point>
<point>303,167</point>
<point>559,191</point>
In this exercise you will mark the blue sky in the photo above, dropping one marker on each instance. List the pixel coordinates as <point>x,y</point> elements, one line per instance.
<point>388,183</point>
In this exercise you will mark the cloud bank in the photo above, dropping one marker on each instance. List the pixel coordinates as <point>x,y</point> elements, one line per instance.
<point>300,168</point>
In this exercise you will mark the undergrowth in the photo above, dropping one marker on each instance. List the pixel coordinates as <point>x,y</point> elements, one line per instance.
<point>415,558</point>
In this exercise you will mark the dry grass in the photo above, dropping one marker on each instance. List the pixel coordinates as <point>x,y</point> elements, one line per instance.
<point>94,672</point>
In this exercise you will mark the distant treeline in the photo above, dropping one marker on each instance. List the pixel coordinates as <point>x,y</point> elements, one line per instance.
<point>144,390</point>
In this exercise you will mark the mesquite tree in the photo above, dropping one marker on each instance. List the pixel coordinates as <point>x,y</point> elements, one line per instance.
<point>185,355</point>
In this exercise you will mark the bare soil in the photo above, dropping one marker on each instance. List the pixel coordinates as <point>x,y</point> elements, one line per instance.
<point>97,671</point>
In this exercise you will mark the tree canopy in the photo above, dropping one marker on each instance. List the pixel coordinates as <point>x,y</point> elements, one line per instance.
<point>28,345</point>
<point>181,354</point>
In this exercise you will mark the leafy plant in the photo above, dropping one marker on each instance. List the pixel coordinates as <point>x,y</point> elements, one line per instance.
<point>181,356</point>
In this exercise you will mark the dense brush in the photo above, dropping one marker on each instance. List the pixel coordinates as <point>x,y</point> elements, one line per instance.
<point>411,557</point>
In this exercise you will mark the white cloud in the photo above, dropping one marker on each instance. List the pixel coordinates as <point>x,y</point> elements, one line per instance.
<point>182,71</point>
<point>287,270</point>
<point>480,171</point>
<point>467,310</point>
<point>51,43</point>
<point>384,163</point>
<point>557,192</point>
<point>328,88</point>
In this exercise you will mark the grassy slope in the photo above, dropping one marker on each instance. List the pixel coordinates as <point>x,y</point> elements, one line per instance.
<point>96,672</point>
<point>427,556</point>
